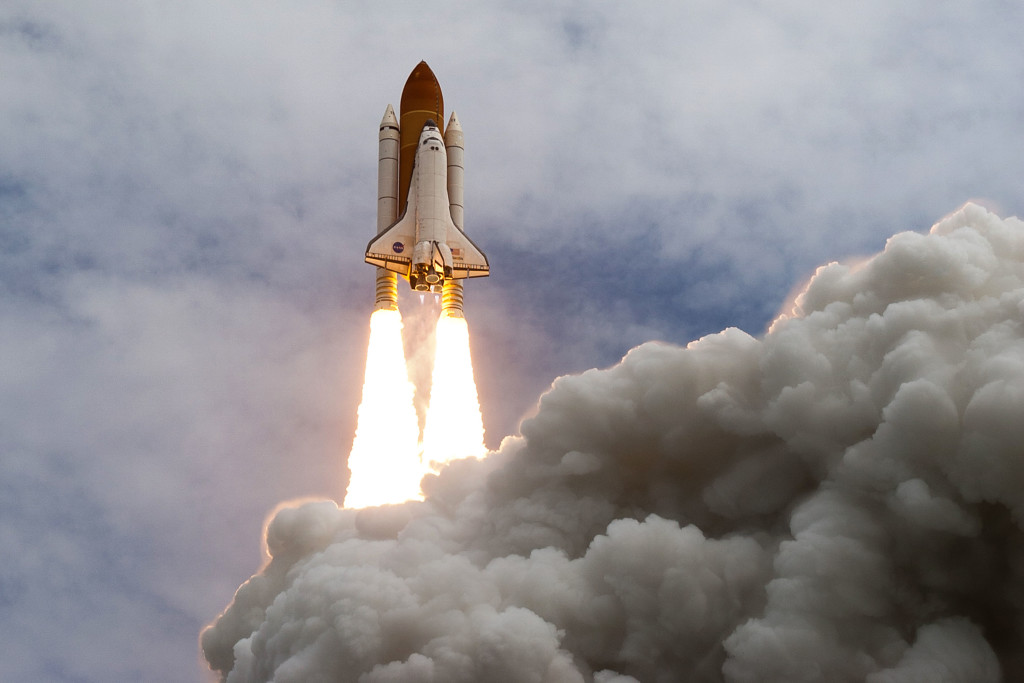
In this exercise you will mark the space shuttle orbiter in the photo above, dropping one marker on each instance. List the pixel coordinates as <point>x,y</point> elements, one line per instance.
<point>419,200</point>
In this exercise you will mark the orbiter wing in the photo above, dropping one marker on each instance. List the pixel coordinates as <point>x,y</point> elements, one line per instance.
<point>467,259</point>
<point>392,249</point>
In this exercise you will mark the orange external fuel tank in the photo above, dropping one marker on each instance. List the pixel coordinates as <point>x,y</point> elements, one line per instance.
<point>421,101</point>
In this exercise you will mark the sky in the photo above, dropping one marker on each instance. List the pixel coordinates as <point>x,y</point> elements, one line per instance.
<point>186,190</point>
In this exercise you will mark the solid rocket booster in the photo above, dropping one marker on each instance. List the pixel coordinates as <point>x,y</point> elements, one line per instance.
<point>451,293</point>
<point>387,203</point>
<point>420,200</point>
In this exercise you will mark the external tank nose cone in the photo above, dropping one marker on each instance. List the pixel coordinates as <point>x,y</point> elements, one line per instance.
<point>422,93</point>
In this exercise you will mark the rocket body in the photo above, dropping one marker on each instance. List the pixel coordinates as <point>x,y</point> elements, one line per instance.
<point>387,202</point>
<point>420,200</point>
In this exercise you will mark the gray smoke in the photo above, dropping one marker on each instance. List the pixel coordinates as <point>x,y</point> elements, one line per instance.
<point>840,500</point>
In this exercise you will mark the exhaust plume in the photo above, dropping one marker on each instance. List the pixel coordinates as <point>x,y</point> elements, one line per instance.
<point>385,461</point>
<point>454,427</point>
<point>840,500</point>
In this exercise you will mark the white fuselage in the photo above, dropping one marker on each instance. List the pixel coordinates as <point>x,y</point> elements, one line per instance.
<point>428,198</point>
<point>429,187</point>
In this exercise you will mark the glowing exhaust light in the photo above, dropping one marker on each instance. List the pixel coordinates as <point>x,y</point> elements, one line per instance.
<point>384,460</point>
<point>454,427</point>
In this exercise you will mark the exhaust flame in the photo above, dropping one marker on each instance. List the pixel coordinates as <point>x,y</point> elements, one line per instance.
<point>384,460</point>
<point>454,427</point>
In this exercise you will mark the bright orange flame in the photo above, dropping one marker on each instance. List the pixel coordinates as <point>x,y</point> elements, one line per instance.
<point>454,428</point>
<point>384,460</point>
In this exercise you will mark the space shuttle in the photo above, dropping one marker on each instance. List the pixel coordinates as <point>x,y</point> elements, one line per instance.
<point>419,201</point>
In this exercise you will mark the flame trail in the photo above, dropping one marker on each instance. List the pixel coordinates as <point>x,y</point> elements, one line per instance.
<point>384,460</point>
<point>454,427</point>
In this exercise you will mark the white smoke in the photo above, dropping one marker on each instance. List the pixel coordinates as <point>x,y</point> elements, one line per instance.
<point>840,500</point>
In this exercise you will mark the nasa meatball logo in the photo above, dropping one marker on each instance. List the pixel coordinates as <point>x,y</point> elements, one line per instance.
<point>398,247</point>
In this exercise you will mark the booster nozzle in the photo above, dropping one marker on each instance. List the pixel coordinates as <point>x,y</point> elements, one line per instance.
<point>387,291</point>
<point>451,299</point>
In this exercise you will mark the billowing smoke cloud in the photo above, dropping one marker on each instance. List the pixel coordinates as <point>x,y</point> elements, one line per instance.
<point>840,500</point>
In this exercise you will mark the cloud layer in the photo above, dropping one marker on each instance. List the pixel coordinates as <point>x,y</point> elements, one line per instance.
<point>839,500</point>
